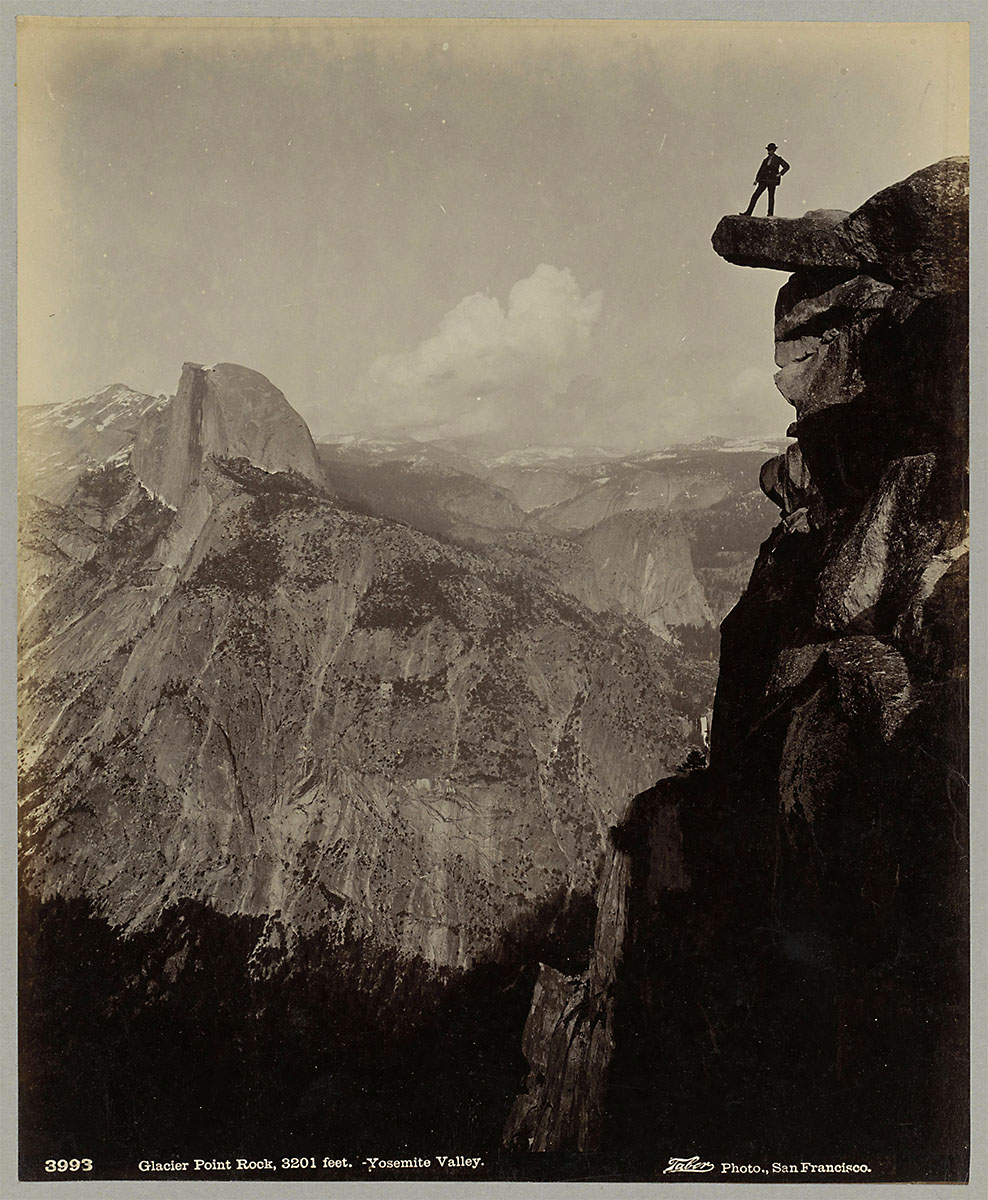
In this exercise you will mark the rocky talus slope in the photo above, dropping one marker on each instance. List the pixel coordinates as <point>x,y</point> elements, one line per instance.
<point>780,965</point>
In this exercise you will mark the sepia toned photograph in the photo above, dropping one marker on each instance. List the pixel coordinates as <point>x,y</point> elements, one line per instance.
<point>492,601</point>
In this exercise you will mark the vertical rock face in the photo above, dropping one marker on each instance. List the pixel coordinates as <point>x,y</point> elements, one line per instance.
<point>569,1038</point>
<point>641,564</point>
<point>228,411</point>
<point>788,967</point>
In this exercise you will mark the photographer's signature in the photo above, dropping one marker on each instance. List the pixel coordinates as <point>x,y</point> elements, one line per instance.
<point>687,1165</point>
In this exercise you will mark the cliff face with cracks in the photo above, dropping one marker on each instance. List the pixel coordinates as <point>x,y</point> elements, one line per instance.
<point>779,969</point>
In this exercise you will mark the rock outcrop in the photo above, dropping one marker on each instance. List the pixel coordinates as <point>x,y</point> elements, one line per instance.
<point>916,231</point>
<point>225,411</point>
<point>569,1038</point>
<point>913,234</point>
<point>785,243</point>
<point>784,933</point>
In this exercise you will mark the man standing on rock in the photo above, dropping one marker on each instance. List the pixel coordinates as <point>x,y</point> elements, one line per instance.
<point>773,167</point>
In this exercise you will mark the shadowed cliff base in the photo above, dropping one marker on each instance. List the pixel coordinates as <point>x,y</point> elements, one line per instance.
<point>780,970</point>
<point>166,1040</point>
<point>183,1038</point>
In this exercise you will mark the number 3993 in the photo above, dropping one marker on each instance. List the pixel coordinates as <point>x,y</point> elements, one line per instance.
<point>59,1165</point>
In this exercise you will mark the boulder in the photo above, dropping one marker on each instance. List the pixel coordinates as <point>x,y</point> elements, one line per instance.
<point>819,340</point>
<point>785,479</point>
<point>890,540</point>
<point>874,691</point>
<point>813,759</point>
<point>916,231</point>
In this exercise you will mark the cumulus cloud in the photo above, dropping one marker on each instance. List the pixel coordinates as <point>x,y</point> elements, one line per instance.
<point>488,368</point>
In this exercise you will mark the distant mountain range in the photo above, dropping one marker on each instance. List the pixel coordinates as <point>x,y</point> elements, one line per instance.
<point>701,497</point>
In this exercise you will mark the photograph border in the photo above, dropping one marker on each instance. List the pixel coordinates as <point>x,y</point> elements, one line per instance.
<point>728,10</point>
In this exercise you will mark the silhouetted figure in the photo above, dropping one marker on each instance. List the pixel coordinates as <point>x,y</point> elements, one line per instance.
<point>773,167</point>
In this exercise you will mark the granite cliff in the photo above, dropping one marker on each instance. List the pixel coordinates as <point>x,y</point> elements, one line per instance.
<point>780,964</point>
<point>224,411</point>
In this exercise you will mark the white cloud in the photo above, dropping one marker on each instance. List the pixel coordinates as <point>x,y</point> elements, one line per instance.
<point>487,368</point>
<point>533,371</point>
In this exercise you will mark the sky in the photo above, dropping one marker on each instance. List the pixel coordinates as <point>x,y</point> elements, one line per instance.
<point>447,228</point>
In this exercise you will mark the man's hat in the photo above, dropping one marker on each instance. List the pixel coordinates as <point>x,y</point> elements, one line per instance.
<point>771,146</point>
